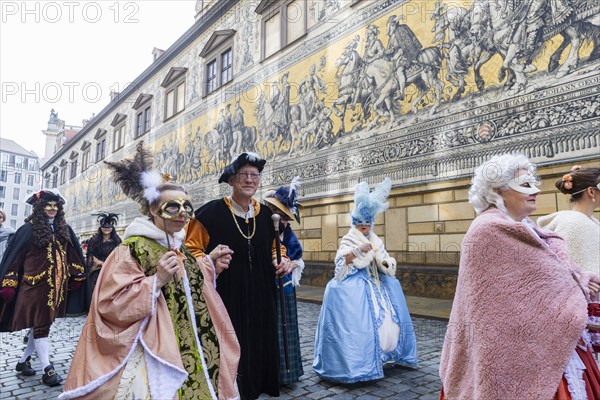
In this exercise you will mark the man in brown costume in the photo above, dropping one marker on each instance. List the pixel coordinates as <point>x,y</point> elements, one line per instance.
<point>39,272</point>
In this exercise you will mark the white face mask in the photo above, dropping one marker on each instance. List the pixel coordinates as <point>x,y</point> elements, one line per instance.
<point>515,184</point>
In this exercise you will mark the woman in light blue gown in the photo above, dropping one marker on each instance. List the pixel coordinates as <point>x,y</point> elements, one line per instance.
<point>364,321</point>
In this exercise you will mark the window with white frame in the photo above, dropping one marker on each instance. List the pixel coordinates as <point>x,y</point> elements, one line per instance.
<point>142,122</point>
<point>2,192</point>
<point>63,172</point>
<point>16,194</point>
<point>14,210</point>
<point>1,205</point>
<point>100,144</point>
<point>283,23</point>
<point>85,155</point>
<point>143,114</point>
<point>19,162</point>
<point>30,180</point>
<point>54,177</point>
<point>118,137</point>
<point>211,76</point>
<point>31,164</point>
<point>27,210</point>
<point>174,84</point>
<point>17,178</point>
<point>13,224</point>
<point>3,175</point>
<point>218,60</point>
<point>4,160</point>
<point>85,160</point>
<point>74,165</point>
<point>118,124</point>
<point>226,66</point>
<point>100,149</point>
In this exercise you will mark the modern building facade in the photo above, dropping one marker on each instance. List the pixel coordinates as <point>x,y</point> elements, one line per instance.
<point>19,177</point>
<point>347,90</point>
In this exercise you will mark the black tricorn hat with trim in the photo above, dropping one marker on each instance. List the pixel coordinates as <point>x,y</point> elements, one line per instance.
<point>46,194</point>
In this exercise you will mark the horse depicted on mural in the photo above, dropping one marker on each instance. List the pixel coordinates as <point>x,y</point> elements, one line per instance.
<point>192,161</point>
<point>414,64</point>
<point>215,143</point>
<point>348,68</point>
<point>378,79</point>
<point>245,138</point>
<point>585,25</point>
<point>518,30</point>
<point>274,117</point>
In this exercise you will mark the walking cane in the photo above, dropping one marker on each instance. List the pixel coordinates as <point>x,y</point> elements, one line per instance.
<point>276,218</point>
<point>169,248</point>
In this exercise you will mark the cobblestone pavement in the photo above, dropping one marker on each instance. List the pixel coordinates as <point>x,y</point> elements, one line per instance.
<point>399,383</point>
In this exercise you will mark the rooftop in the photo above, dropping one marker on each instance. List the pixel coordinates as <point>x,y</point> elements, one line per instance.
<point>10,146</point>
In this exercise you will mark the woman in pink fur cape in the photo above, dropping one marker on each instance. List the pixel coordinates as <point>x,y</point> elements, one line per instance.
<point>515,330</point>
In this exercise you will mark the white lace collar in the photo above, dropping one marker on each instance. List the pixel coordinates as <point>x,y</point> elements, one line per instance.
<point>239,210</point>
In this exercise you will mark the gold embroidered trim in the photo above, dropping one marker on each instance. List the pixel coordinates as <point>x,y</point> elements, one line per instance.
<point>32,279</point>
<point>10,283</point>
<point>78,268</point>
<point>61,290</point>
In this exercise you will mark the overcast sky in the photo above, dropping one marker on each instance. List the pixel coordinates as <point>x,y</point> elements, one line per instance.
<point>68,55</point>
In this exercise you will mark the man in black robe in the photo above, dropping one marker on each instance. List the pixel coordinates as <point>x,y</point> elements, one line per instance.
<point>243,232</point>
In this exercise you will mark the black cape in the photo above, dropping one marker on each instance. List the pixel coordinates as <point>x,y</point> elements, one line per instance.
<point>78,301</point>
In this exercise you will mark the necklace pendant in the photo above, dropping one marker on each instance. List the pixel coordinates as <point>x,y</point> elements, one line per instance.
<point>247,221</point>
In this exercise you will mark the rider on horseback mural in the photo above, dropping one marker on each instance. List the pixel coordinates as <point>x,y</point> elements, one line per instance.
<point>527,19</point>
<point>373,47</point>
<point>401,38</point>
<point>402,49</point>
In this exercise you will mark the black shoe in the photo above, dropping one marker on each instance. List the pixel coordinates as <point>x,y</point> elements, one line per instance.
<point>25,367</point>
<point>50,377</point>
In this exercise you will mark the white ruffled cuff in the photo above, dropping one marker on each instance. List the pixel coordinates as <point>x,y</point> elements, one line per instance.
<point>297,272</point>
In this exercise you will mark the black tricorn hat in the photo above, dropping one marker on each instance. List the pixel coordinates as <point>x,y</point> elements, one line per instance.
<point>47,195</point>
<point>241,160</point>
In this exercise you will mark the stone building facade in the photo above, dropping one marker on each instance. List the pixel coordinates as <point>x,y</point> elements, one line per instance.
<point>19,177</point>
<point>339,91</point>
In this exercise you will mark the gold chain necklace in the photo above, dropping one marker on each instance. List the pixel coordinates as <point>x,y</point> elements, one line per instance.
<point>250,236</point>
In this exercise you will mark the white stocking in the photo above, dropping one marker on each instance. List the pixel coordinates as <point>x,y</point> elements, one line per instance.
<point>42,347</point>
<point>30,347</point>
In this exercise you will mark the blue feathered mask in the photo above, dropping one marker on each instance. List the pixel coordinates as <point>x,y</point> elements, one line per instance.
<point>368,204</point>
<point>285,199</point>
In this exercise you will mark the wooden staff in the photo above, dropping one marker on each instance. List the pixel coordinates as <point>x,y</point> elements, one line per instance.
<point>276,218</point>
<point>169,248</point>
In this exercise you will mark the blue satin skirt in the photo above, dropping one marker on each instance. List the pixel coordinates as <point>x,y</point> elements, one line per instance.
<point>347,346</point>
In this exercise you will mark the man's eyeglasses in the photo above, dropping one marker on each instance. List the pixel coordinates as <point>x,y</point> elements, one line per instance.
<point>249,175</point>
